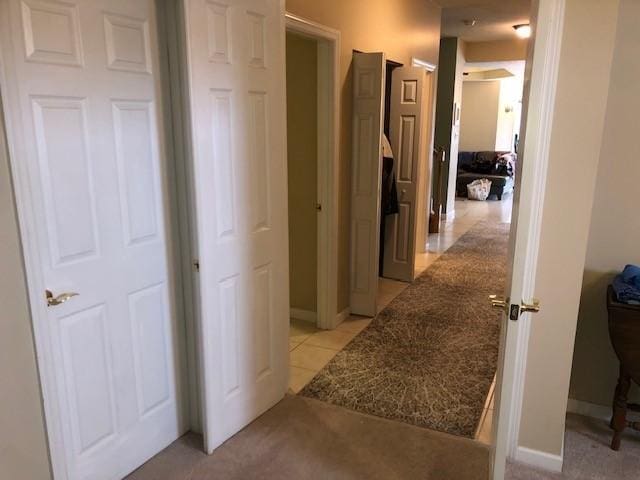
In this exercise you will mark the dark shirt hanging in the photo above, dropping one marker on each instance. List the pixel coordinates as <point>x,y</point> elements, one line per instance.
<point>388,195</point>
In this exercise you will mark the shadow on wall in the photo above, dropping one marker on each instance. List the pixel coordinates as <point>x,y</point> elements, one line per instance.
<point>595,365</point>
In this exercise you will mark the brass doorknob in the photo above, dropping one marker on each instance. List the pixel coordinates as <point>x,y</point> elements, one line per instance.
<point>533,307</point>
<point>63,297</point>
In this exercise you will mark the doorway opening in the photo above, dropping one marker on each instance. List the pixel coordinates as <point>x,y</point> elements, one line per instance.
<point>303,68</point>
<point>312,151</point>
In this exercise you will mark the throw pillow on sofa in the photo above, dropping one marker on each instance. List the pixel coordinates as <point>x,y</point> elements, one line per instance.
<point>505,165</point>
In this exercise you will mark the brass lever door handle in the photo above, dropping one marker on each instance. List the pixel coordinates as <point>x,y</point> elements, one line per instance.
<point>499,302</point>
<point>63,297</point>
<point>533,307</point>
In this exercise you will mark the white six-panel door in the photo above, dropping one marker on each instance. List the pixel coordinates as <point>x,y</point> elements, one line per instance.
<point>368,103</point>
<point>81,96</point>
<point>236,72</point>
<point>407,134</point>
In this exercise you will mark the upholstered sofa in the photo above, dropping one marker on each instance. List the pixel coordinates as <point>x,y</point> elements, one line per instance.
<point>499,167</point>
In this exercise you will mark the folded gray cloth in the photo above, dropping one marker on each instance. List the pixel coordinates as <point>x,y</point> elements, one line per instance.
<point>627,285</point>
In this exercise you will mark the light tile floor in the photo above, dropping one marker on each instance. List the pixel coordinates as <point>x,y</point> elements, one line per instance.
<point>311,348</point>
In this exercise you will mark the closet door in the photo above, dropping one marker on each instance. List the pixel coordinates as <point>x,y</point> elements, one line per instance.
<point>236,71</point>
<point>83,105</point>
<point>368,107</point>
<point>407,142</point>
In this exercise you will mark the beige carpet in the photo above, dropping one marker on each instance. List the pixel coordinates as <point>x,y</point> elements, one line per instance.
<point>430,356</point>
<point>305,439</point>
<point>587,455</point>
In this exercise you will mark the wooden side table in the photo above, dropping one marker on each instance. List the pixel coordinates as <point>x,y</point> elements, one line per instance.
<point>624,330</point>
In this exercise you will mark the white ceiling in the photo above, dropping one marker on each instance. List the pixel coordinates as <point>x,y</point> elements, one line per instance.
<point>494,18</point>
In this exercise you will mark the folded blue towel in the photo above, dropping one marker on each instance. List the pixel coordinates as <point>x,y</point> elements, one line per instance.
<point>627,285</point>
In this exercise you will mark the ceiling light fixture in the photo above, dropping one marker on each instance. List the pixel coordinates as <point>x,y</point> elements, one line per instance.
<point>523,30</point>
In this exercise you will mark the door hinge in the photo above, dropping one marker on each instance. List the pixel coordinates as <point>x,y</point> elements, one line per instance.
<point>196,265</point>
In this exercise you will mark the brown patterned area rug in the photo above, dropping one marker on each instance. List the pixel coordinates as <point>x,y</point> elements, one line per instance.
<point>430,356</point>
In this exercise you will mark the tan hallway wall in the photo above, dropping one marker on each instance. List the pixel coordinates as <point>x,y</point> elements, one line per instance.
<point>479,117</point>
<point>496,51</point>
<point>23,445</point>
<point>578,123</point>
<point>402,29</point>
<point>614,239</point>
<point>302,161</point>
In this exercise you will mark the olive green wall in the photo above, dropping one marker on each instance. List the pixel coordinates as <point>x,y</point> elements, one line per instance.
<point>447,134</point>
<point>302,160</point>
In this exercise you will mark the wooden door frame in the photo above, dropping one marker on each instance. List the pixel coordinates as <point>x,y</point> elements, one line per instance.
<point>544,64</point>
<point>10,145</point>
<point>328,166</point>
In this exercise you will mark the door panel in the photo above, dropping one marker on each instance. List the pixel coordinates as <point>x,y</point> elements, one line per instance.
<point>84,340</point>
<point>235,67</point>
<point>83,107</point>
<point>135,154</point>
<point>63,157</point>
<point>368,98</point>
<point>407,140</point>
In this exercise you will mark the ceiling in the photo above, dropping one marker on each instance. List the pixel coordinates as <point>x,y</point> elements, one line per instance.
<point>513,68</point>
<point>494,18</point>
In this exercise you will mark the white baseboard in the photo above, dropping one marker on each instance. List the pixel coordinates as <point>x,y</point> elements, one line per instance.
<point>538,459</point>
<point>589,409</point>
<point>342,316</point>
<point>305,315</point>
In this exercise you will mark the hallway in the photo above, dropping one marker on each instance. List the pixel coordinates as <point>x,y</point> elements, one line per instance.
<point>312,349</point>
<point>301,438</point>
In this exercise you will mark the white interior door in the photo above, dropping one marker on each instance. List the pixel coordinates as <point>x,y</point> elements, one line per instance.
<point>425,167</point>
<point>541,76</point>
<point>236,72</point>
<point>83,111</point>
<point>408,138</point>
<point>368,107</point>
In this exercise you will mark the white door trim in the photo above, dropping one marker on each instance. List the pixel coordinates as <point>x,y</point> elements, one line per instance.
<point>171,25</point>
<point>544,64</point>
<point>328,154</point>
<point>10,141</point>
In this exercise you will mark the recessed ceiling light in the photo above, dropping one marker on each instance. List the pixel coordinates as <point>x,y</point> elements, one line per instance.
<point>523,30</point>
